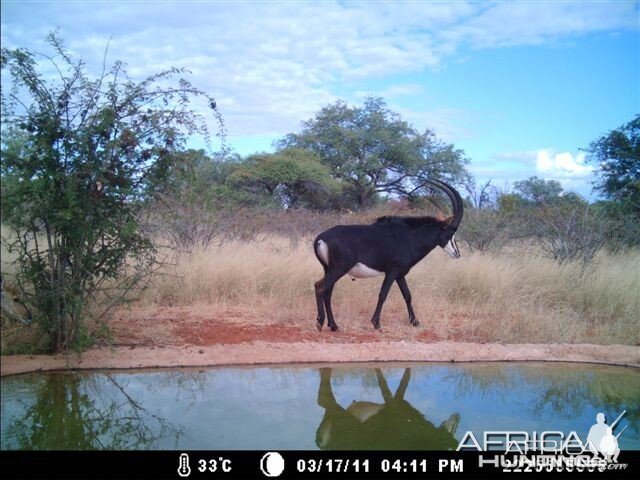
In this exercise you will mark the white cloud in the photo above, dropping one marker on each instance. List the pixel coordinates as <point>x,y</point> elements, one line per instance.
<point>562,165</point>
<point>393,91</point>
<point>505,168</point>
<point>502,24</point>
<point>527,157</point>
<point>449,124</point>
<point>274,64</point>
<point>546,162</point>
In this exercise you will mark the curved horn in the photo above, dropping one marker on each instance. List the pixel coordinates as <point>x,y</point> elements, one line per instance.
<point>456,201</point>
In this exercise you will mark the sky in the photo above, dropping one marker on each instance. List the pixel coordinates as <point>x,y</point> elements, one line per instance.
<point>521,86</point>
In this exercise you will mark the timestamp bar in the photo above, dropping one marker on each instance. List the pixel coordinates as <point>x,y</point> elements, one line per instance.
<point>283,464</point>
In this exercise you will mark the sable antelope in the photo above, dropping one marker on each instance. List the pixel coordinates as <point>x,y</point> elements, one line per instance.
<point>12,307</point>
<point>391,425</point>
<point>390,246</point>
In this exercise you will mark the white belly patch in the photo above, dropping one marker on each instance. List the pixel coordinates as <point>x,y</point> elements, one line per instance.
<point>360,270</point>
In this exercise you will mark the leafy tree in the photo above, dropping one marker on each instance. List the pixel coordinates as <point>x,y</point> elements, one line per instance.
<point>372,150</point>
<point>482,196</point>
<point>618,157</point>
<point>569,229</point>
<point>510,203</point>
<point>191,168</point>
<point>539,191</point>
<point>291,177</point>
<point>77,153</point>
<point>565,227</point>
<point>439,160</point>
<point>484,229</point>
<point>193,200</point>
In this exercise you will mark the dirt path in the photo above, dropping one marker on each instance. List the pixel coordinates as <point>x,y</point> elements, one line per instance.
<point>308,352</point>
<point>188,337</point>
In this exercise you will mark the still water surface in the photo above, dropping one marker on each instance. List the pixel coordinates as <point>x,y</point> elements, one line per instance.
<point>426,406</point>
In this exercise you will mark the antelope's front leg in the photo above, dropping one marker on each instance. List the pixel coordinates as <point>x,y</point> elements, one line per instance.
<point>382,296</point>
<point>406,294</point>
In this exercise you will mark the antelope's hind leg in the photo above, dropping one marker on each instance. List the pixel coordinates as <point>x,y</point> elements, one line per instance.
<point>320,286</point>
<point>330,280</point>
<point>328,292</point>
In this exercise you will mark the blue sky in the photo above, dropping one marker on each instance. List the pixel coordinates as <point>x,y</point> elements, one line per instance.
<point>521,87</point>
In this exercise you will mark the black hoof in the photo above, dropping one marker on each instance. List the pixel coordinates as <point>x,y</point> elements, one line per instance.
<point>376,326</point>
<point>415,323</point>
<point>334,328</point>
<point>319,326</point>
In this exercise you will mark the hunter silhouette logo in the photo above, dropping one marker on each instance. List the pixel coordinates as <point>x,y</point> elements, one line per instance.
<point>601,439</point>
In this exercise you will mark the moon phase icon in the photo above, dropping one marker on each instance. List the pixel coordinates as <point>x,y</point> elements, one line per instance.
<point>272,464</point>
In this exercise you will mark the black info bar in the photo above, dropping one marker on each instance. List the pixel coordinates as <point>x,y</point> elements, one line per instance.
<point>287,464</point>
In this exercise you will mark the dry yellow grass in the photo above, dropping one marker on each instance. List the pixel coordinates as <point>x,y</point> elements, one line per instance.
<point>516,298</point>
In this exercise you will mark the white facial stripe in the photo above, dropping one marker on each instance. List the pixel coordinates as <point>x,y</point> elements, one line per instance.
<point>452,248</point>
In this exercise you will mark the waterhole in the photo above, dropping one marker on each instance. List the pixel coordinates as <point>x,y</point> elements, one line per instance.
<point>407,407</point>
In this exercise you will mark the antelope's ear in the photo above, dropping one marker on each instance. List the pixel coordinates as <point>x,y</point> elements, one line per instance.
<point>446,223</point>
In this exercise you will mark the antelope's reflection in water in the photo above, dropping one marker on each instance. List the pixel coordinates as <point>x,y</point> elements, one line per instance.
<point>392,425</point>
<point>303,408</point>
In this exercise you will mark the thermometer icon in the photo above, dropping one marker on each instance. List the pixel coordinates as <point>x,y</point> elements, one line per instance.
<point>184,470</point>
